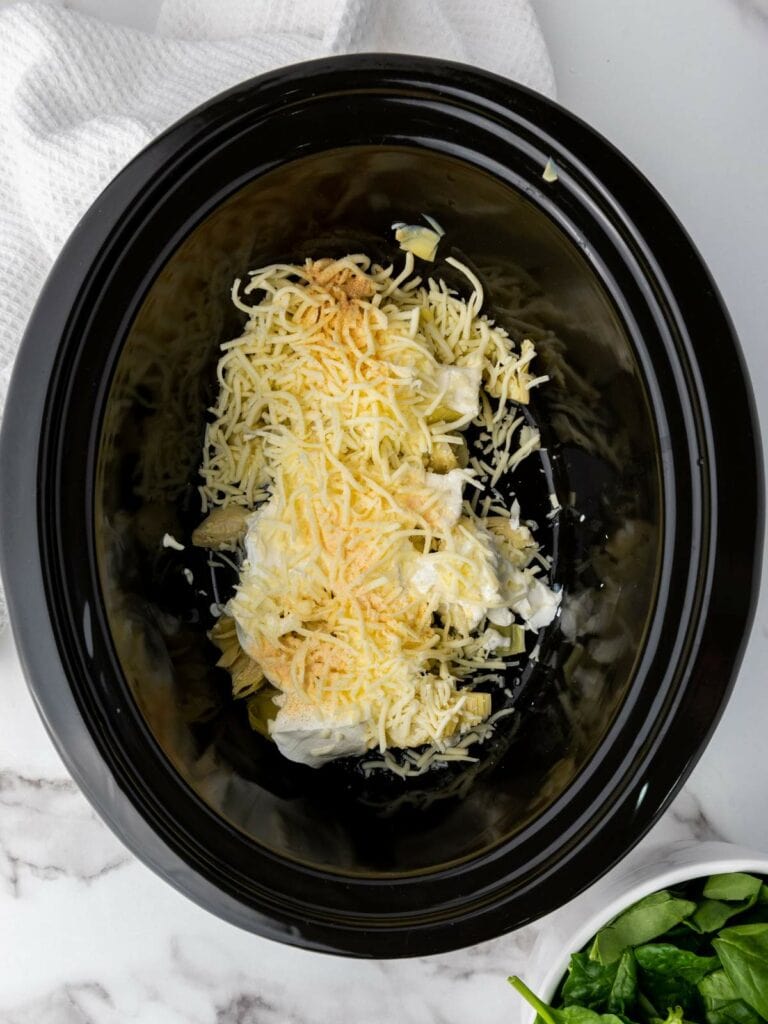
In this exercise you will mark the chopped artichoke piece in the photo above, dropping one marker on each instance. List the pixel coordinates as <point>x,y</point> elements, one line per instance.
<point>223,629</point>
<point>230,652</point>
<point>247,677</point>
<point>445,457</point>
<point>421,241</point>
<point>550,171</point>
<point>478,704</point>
<point>462,454</point>
<point>443,414</point>
<point>516,635</point>
<point>223,528</point>
<point>442,458</point>
<point>262,710</point>
<point>224,635</point>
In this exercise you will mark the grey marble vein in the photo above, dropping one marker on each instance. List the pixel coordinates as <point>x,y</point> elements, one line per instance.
<point>70,1004</point>
<point>688,813</point>
<point>250,1008</point>
<point>48,831</point>
<point>758,8</point>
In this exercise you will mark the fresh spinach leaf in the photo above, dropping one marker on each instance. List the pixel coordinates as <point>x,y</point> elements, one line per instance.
<point>623,994</point>
<point>743,951</point>
<point>568,1015</point>
<point>611,987</point>
<point>736,1012</point>
<point>733,886</point>
<point>712,915</point>
<point>716,988</point>
<point>669,975</point>
<point>666,960</point>
<point>588,982</point>
<point>724,897</point>
<point>722,1004</point>
<point>646,920</point>
<point>581,1015</point>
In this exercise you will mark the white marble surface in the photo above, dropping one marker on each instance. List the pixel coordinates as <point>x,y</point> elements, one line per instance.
<point>90,936</point>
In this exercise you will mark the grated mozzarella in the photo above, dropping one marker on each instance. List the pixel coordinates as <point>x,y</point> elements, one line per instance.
<point>331,405</point>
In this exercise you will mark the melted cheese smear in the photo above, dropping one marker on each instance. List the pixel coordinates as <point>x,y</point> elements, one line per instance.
<point>370,587</point>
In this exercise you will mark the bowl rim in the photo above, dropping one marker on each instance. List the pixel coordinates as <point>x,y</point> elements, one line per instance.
<point>50,663</point>
<point>684,861</point>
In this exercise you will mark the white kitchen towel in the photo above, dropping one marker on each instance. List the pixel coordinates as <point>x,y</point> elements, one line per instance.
<point>79,97</point>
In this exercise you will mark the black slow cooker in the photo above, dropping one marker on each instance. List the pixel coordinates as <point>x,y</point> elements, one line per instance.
<point>649,441</point>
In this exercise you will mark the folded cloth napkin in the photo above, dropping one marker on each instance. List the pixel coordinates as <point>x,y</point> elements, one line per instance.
<point>79,97</point>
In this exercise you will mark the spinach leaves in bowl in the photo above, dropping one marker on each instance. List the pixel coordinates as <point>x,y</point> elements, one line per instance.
<point>697,954</point>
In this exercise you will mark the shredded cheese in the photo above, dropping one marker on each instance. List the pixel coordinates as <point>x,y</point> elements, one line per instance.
<point>367,578</point>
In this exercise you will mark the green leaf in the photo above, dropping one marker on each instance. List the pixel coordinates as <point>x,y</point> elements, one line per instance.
<point>721,1003</point>
<point>736,1012</point>
<point>743,951</point>
<point>568,1015</point>
<point>725,896</point>
<point>712,915</point>
<point>667,960</point>
<point>581,1015</point>
<point>611,987</point>
<point>733,886</point>
<point>588,982</point>
<point>623,994</point>
<point>646,920</point>
<point>716,989</point>
<point>669,975</point>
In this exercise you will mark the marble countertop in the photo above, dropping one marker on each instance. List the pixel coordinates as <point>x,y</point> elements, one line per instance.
<point>88,935</point>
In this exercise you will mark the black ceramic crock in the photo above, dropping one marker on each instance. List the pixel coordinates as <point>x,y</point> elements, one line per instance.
<point>650,443</point>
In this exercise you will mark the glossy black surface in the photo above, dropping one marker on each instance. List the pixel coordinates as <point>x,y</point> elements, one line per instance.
<point>324,156</point>
<point>335,818</point>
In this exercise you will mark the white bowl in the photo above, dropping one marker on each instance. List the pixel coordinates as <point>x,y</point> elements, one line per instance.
<point>570,929</point>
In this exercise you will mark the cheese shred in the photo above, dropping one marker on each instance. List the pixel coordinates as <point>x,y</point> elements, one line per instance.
<point>368,586</point>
